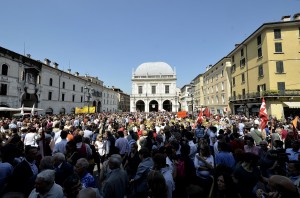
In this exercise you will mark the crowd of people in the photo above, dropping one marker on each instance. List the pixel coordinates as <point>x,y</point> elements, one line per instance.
<point>140,155</point>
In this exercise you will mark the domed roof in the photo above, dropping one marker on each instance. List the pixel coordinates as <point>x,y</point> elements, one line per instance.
<point>154,68</point>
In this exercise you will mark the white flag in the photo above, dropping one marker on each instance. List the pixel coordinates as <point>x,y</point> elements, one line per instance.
<point>32,110</point>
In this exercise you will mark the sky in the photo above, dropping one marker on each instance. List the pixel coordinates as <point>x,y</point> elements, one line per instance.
<point>110,38</point>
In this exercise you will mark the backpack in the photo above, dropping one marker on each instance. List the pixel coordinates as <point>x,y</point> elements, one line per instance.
<point>180,168</point>
<point>199,132</point>
<point>82,151</point>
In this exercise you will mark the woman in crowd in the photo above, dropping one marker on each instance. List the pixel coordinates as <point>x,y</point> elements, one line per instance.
<point>204,162</point>
<point>132,161</point>
<point>225,187</point>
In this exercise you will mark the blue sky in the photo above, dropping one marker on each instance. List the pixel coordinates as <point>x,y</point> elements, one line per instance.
<point>108,38</point>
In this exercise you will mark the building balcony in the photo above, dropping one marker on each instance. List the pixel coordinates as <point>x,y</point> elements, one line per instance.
<point>266,94</point>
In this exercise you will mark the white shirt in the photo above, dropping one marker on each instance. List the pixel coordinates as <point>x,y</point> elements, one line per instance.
<point>29,139</point>
<point>57,137</point>
<point>87,133</point>
<point>198,163</point>
<point>101,147</point>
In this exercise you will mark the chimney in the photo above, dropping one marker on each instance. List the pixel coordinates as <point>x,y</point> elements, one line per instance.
<point>28,55</point>
<point>206,68</point>
<point>286,18</point>
<point>297,17</point>
<point>236,45</point>
<point>69,70</point>
<point>76,73</point>
<point>47,61</point>
<point>55,65</point>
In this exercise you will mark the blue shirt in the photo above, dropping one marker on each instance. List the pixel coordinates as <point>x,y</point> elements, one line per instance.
<point>225,158</point>
<point>88,181</point>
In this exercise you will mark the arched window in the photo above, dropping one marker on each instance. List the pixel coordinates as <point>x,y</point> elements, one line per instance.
<point>50,82</point>
<point>4,70</point>
<point>49,111</point>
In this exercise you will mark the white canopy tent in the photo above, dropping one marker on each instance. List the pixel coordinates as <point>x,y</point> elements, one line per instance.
<point>19,109</point>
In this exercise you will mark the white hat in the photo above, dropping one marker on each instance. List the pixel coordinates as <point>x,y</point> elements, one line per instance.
<point>256,122</point>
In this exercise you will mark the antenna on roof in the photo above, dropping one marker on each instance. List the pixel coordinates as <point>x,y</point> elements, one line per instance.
<point>24,49</point>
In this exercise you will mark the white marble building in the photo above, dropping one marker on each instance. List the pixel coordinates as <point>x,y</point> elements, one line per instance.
<point>154,88</point>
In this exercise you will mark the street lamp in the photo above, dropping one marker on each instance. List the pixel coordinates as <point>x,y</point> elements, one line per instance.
<point>88,89</point>
<point>192,96</point>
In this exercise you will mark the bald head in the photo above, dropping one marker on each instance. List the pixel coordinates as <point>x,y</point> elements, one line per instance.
<point>282,185</point>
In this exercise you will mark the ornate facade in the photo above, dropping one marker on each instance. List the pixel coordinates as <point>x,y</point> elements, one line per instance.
<point>154,88</point>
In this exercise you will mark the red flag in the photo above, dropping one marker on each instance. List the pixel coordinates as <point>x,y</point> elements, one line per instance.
<point>263,115</point>
<point>200,117</point>
<point>295,130</point>
<point>207,112</point>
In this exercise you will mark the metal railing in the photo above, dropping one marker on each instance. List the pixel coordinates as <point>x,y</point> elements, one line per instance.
<point>269,93</point>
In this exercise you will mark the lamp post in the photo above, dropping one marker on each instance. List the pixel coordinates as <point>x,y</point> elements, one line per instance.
<point>192,96</point>
<point>88,89</point>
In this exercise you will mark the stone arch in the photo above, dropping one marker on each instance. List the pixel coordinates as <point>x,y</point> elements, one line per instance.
<point>62,110</point>
<point>99,107</point>
<point>167,105</point>
<point>153,106</point>
<point>140,106</point>
<point>28,100</point>
<point>49,111</point>
<point>5,114</point>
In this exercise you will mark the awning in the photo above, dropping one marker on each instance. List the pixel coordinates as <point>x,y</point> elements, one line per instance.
<point>294,105</point>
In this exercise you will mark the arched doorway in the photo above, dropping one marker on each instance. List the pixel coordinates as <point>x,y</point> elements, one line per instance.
<point>99,107</point>
<point>95,105</point>
<point>49,111</point>
<point>167,105</point>
<point>140,106</point>
<point>5,114</point>
<point>62,111</point>
<point>73,110</point>
<point>28,100</point>
<point>153,106</point>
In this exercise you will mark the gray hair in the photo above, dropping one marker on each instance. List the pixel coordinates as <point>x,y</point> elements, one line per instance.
<point>47,163</point>
<point>60,157</point>
<point>47,176</point>
<point>116,159</point>
<point>84,163</point>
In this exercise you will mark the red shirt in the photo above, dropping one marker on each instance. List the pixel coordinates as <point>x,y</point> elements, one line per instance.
<point>283,134</point>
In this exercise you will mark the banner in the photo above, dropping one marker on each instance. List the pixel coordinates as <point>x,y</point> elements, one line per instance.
<point>181,114</point>
<point>85,109</point>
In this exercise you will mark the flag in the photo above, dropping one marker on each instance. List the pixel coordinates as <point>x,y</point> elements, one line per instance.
<point>295,130</point>
<point>200,117</point>
<point>32,110</point>
<point>263,115</point>
<point>207,112</point>
<point>22,109</point>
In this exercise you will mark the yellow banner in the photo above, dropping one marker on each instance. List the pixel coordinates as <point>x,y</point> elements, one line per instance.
<point>85,109</point>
